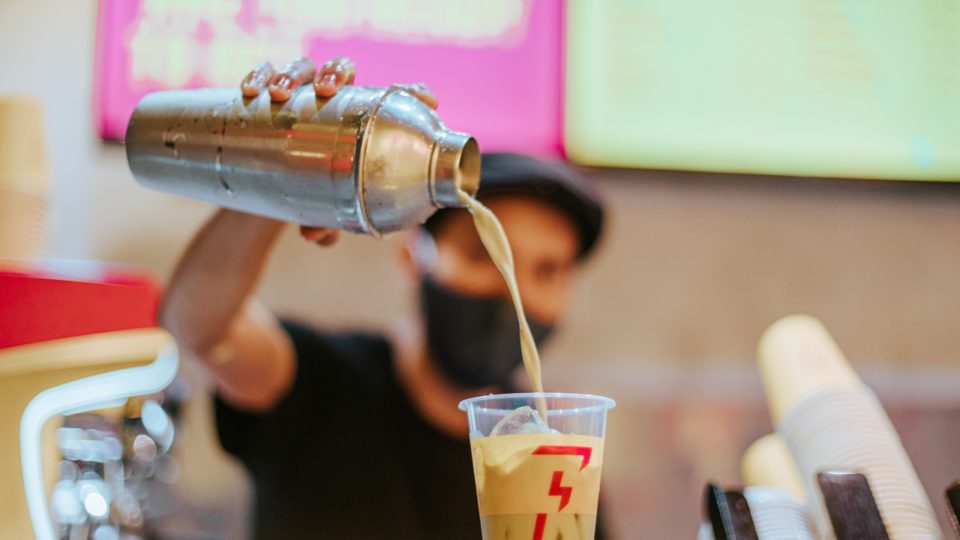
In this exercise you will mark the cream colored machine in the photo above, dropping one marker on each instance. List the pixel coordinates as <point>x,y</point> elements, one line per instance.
<point>67,345</point>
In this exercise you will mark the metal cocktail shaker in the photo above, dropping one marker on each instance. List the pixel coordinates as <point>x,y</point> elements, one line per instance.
<point>370,160</point>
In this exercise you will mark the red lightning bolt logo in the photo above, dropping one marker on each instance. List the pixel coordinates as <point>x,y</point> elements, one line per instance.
<point>557,490</point>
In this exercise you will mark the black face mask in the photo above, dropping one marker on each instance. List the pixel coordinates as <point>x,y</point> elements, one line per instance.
<point>474,341</point>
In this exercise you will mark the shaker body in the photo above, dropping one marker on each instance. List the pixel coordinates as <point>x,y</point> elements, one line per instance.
<point>369,160</point>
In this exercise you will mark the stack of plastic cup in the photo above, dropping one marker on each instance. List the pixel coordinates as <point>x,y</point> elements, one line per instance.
<point>775,491</point>
<point>832,421</point>
<point>777,515</point>
<point>24,178</point>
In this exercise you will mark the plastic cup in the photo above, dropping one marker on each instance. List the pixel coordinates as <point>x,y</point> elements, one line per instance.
<point>777,514</point>
<point>847,429</point>
<point>538,486</point>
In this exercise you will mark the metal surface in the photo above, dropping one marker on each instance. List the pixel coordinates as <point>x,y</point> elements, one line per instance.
<point>369,160</point>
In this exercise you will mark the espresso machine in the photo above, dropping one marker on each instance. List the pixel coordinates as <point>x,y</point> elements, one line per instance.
<point>78,338</point>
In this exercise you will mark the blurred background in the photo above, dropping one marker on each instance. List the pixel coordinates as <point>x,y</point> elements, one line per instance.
<point>759,159</point>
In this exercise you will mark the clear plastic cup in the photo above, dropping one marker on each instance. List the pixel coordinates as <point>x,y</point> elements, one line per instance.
<point>847,429</point>
<point>538,484</point>
<point>777,514</point>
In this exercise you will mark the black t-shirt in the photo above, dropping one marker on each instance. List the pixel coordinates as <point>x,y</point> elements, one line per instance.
<point>345,455</point>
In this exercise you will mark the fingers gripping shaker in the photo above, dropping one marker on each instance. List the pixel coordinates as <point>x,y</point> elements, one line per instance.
<point>368,160</point>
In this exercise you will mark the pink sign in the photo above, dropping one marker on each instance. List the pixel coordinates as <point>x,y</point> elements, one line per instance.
<point>495,65</point>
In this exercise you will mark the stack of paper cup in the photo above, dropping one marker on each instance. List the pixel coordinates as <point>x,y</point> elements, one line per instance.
<point>24,178</point>
<point>831,421</point>
<point>777,515</point>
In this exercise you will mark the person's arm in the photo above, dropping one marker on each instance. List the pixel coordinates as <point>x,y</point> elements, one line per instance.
<point>208,305</point>
<point>209,309</point>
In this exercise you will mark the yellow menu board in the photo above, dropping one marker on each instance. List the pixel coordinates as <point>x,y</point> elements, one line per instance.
<point>845,88</point>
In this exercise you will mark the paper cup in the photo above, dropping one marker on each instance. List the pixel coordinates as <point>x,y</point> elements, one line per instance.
<point>23,219</point>
<point>768,462</point>
<point>22,155</point>
<point>797,357</point>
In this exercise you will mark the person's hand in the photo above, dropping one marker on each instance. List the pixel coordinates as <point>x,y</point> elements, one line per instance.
<point>327,81</point>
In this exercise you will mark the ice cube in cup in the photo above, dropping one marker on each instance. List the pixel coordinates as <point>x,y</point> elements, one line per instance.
<point>520,421</point>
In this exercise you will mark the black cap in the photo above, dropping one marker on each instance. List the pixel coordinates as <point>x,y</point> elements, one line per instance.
<point>552,182</point>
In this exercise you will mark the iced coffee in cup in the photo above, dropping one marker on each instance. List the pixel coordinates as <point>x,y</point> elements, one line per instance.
<point>537,478</point>
<point>536,456</point>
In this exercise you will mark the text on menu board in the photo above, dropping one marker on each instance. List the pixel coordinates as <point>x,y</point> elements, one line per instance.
<point>150,45</point>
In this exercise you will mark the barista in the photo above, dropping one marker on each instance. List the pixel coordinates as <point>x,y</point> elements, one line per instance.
<point>357,435</point>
